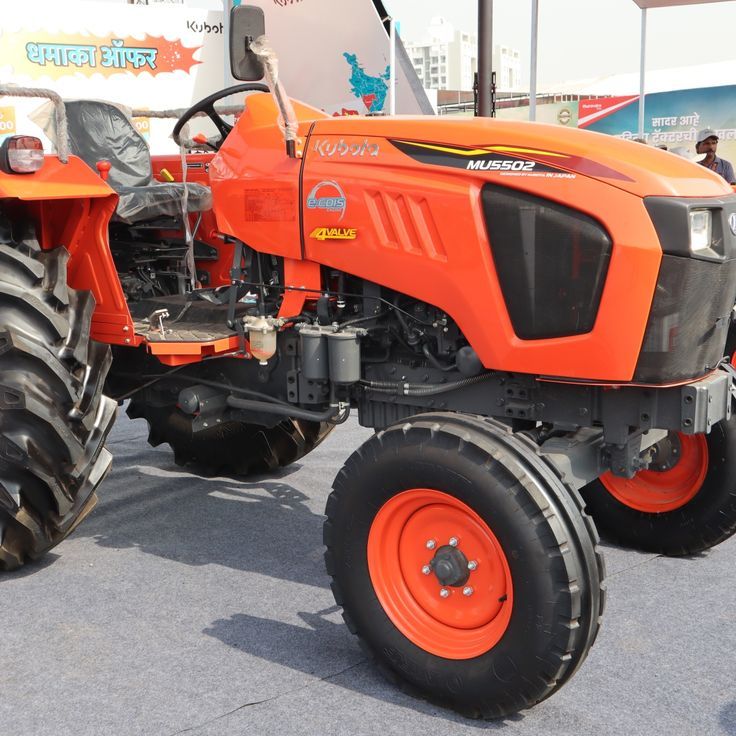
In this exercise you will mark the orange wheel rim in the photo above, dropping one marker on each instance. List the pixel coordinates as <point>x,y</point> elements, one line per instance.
<point>655,491</point>
<point>471,616</point>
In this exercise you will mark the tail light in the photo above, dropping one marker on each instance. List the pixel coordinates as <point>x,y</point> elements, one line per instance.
<point>21,154</point>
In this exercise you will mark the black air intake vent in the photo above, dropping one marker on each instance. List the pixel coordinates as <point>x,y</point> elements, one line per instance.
<point>551,261</point>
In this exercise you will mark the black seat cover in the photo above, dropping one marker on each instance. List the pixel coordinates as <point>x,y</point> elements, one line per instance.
<point>101,131</point>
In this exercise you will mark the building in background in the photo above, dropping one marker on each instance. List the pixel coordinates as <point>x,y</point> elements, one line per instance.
<point>507,65</point>
<point>446,59</point>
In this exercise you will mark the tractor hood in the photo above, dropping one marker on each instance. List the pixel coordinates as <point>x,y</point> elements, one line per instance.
<point>472,143</point>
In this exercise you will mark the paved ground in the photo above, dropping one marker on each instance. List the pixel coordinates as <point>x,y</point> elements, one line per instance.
<point>200,606</point>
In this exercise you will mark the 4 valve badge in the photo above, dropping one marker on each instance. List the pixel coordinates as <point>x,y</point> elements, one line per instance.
<point>328,196</point>
<point>334,233</point>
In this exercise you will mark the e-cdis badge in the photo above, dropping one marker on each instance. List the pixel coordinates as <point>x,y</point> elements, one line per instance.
<point>328,196</point>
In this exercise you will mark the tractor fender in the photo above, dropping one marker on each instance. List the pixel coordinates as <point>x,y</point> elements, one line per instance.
<point>71,207</point>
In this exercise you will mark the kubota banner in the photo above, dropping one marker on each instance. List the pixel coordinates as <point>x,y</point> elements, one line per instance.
<point>142,57</point>
<point>170,56</point>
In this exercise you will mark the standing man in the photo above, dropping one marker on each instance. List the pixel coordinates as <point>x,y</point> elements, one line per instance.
<point>707,143</point>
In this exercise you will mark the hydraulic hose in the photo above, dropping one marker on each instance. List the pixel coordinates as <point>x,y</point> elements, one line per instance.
<point>418,389</point>
<point>283,411</point>
<point>433,360</point>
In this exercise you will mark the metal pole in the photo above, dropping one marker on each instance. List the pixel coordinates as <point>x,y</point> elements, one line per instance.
<point>533,68</point>
<point>642,69</point>
<point>226,42</point>
<point>485,56</point>
<point>392,67</point>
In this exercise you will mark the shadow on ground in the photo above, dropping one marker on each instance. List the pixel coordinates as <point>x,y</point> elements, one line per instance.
<point>260,525</point>
<point>727,718</point>
<point>315,647</point>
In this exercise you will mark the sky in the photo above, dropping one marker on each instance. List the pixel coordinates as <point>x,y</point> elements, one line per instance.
<point>580,39</point>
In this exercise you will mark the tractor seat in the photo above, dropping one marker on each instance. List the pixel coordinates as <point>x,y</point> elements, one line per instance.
<point>101,131</point>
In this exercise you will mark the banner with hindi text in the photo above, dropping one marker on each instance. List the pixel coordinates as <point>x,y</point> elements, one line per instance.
<point>672,119</point>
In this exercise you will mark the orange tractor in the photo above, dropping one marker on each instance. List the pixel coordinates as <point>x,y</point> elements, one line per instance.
<point>531,318</point>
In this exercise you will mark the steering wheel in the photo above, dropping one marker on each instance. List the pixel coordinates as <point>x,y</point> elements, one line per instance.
<point>207,106</point>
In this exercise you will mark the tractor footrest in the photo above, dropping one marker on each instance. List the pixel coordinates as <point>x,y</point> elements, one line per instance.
<point>179,330</point>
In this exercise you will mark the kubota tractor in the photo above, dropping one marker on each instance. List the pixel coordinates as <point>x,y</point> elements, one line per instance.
<point>524,314</point>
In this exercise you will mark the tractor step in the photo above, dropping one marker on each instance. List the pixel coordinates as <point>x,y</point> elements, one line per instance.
<point>181,330</point>
<point>178,318</point>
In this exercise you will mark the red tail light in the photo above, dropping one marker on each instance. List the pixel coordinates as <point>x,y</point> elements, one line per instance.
<point>21,154</point>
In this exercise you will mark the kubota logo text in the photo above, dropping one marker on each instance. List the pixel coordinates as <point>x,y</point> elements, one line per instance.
<point>331,149</point>
<point>334,233</point>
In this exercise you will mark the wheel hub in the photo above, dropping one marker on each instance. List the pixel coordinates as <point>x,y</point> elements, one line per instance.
<point>666,453</point>
<point>450,566</point>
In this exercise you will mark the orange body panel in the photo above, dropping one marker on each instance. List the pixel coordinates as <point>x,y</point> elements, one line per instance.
<point>182,353</point>
<point>304,277</point>
<point>255,185</point>
<point>419,228</point>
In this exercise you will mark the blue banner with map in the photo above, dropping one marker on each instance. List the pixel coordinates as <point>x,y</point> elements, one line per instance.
<point>335,56</point>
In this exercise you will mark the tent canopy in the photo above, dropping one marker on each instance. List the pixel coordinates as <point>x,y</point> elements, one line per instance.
<point>644,4</point>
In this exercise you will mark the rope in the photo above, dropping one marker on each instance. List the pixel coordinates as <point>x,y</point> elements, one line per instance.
<point>178,112</point>
<point>62,131</point>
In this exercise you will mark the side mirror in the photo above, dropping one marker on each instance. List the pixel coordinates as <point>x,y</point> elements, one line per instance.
<point>247,23</point>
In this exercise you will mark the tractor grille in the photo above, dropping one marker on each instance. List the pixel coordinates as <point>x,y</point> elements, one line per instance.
<point>686,332</point>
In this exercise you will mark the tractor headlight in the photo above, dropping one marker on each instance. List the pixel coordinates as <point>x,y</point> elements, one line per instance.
<point>701,230</point>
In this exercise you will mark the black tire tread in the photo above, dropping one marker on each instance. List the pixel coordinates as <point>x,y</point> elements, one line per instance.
<point>704,522</point>
<point>53,416</point>
<point>230,448</point>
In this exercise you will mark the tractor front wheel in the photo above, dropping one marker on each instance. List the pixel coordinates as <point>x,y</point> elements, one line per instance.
<point>684,503</point>
<point>464,564</point>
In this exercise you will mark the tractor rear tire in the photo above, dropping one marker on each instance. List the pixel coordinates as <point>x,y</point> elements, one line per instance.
<point>463,563</point>
<point>230,448</point>
<point>686,508</point>
<point>53,415</point>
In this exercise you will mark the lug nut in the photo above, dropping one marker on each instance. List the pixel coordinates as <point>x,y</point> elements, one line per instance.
<point>426,570</point>
<point>444,593</point>
<point>472,565</point>
<point>431,544</point>
<point>467,590</point>
<point>453,542</point>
